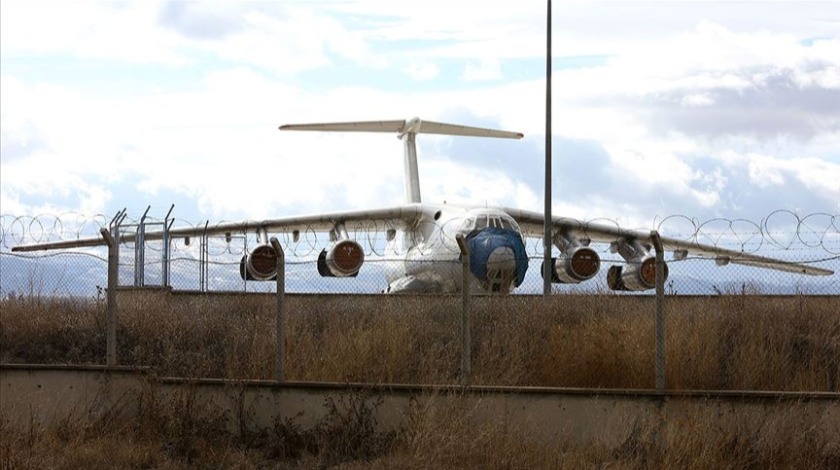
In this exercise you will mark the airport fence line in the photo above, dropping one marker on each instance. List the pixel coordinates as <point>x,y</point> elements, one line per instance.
<point>215,263</point>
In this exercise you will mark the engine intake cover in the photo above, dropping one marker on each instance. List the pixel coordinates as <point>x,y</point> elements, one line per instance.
<point>342,259</point>
<point>635,275</point>
<point>579,265</point>
<point>259,265</point>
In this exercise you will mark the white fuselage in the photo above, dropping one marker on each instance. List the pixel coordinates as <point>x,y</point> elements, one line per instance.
<point>426,257</point>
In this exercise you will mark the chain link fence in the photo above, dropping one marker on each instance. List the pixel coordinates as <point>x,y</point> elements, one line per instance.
<point>215,263</point>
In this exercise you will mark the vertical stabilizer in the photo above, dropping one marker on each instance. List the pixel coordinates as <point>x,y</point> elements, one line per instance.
<point>412,175</point>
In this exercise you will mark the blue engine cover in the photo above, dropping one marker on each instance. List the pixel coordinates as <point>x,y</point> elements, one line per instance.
<point>483,242</point>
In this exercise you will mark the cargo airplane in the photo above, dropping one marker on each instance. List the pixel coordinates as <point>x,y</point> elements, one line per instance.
<point>422,250</point>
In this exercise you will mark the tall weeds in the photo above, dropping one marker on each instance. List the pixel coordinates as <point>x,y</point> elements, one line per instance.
<point>726,342</point>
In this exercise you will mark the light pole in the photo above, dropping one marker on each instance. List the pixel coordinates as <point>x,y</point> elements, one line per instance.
<point>547,212</point>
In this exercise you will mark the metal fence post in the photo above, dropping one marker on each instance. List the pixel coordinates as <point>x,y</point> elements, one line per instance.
<point>166,255</point>
<point>465,311</point>
<point>280,314</point>
<point>140,251</point>
<point>659,321</point>
<point>113,281</point>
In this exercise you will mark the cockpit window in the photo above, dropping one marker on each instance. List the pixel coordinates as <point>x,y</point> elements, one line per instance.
<point>509,223</point>
<point>483,221</point>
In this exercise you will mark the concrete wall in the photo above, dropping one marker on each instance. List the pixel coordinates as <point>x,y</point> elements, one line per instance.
<point>41,395</point>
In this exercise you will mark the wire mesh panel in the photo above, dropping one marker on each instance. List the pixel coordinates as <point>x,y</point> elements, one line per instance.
<point>218,262</point>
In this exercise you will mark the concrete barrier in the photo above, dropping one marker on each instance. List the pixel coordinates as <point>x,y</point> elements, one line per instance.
<point>44,394</point>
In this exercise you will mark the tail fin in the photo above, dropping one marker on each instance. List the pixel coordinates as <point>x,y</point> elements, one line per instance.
<point>405,128</point>
<point>402,127</point>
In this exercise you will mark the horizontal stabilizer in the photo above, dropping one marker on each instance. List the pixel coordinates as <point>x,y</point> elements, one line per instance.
<point>402,127</point>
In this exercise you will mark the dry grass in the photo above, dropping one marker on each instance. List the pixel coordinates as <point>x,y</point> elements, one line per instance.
<point>725,342</point>
<point>441,433</point>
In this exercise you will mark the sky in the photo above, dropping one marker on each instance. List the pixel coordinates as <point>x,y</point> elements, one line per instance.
<point>706,110</point>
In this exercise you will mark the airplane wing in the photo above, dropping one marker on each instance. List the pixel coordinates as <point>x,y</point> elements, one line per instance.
<point>532,224</point>
<point>351,220</point>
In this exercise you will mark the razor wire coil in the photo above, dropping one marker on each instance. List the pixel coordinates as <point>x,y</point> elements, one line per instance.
<point>782,230</point>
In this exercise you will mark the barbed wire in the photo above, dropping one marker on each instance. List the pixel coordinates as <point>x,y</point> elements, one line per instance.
<point>781,230</point>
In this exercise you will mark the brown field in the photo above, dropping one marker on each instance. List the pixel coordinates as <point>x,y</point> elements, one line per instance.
<point>731,342</point>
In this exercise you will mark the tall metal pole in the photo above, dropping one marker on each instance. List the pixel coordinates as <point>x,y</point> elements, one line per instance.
<point>466,341</point>
<point>113,281</point>
<point>659,319</point>
<point>547,236</point>
<point>112,239</point>
<point>280,314</point>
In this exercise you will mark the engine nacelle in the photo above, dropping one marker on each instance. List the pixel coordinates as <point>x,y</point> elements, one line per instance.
<point>580,264</point>
<point>259,265</point>
<point>344,258</point>
<point>635,275</point>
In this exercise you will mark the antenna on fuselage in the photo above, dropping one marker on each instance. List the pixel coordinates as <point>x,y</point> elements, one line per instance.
<point>406,130</point>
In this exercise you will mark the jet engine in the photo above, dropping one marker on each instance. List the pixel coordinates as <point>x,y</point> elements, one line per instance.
<point>343,258</point>
<point>577,265</point>
<point>638,274</point>
<point>259,265</point>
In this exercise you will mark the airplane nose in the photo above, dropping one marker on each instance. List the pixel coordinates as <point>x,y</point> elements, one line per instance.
<point>497,258</point>
<point>501,267</point>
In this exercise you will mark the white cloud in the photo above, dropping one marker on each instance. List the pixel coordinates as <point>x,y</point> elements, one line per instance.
<point>817,175</point>
<point>445,180</point>
<point>485,70</point>
<point>745,91</point>
<point>697,99</point>
<point>122,32</point>
<point>422,71</point>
